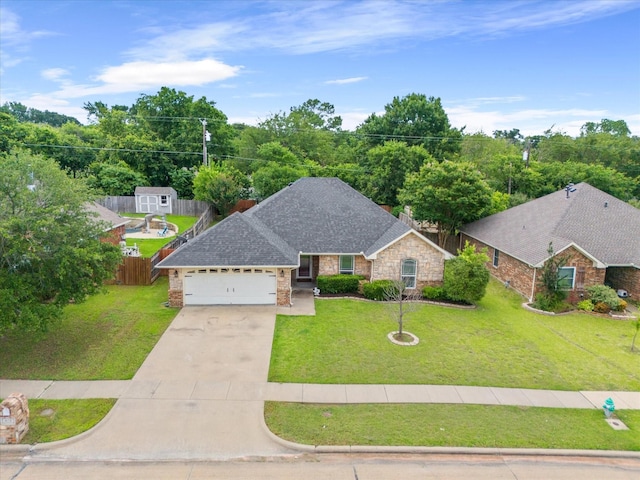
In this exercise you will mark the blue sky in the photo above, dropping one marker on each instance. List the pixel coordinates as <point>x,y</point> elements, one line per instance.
<point>495,64</point>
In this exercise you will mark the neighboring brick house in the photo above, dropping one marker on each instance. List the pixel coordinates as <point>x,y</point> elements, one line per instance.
<point>114,224</point>
<point>315,226</point>
<point>598,233</point>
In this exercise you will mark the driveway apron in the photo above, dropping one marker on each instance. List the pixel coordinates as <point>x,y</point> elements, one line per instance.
<point>198,395</point>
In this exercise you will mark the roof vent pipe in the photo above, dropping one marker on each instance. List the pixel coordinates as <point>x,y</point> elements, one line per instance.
<point>606,204</point>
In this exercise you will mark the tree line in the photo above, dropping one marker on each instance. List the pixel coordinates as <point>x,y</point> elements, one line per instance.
<point>158,141</point>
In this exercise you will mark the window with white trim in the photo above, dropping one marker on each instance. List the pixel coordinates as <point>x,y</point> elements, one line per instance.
<point>164,200</point>
<point>566,278</point>
<point>496,257</point>
<point>409,271</point>
<point>346,264</point>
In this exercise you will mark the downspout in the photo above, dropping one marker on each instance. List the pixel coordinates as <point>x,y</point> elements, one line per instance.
<point>533,285</point>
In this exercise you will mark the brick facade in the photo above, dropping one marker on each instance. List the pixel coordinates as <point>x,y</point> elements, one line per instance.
<point>521,276</point>
<point>114,236</point>
<point>626,278</point>
<point>591,275</point>
<point>430,260</point>
<point>175,288</point>
<point>330,265</point>
<point>283,288</point>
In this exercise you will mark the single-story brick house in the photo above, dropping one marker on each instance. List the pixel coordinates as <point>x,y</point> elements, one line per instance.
<point>155,199</point>
<point>314,226</point>
<point>598,233</point>
<point>114,223</point>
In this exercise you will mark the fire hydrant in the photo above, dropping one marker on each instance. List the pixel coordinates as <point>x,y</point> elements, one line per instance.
<point>608,407</point>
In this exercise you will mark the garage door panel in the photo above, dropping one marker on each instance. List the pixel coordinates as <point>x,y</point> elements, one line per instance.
<point>230,289</point>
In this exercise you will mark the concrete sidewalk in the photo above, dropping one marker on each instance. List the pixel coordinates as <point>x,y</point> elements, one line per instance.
<point>232,389</point>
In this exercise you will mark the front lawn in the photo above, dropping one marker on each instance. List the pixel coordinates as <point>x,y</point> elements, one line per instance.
<point>498,344</point>
<point>451,425</point>
<point>105,338</point>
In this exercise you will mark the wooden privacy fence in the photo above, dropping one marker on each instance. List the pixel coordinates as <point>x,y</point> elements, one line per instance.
<point>144,271</point>
<point>192,208</point>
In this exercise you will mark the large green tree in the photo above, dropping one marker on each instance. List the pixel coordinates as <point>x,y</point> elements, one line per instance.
<point>220,185</point>
<point>416,120</point>
<point>51,251</point>
<point>449,194</point>
<point>388,165</point>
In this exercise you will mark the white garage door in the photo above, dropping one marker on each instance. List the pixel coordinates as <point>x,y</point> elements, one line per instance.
<point>230,289</point>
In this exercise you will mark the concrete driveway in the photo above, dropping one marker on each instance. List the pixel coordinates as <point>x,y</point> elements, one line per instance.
<point>198,395</point>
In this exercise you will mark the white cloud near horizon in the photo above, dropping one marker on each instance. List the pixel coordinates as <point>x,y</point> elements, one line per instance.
<point>345,81</point>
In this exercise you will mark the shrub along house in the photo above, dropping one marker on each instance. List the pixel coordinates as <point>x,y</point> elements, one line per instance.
<point>315,226</point>
<point>598,233</point>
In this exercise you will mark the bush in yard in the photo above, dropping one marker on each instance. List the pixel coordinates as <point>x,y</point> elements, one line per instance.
<point>604,294</point>
<point>622,306</point>
<point>376,289</point>
<point>466,277</point>
<point>601,307</point>
<point>338,283</point>
<point>585,305</point>
<point>434,293</point>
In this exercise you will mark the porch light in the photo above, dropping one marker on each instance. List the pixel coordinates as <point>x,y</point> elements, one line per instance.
<point>175,273</point>
<point>281,273</point>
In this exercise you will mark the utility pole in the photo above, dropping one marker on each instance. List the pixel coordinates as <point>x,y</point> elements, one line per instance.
<point>205,137</point>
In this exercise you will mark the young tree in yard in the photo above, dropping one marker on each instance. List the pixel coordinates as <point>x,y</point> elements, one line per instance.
<point>466,276</point>
<point>401,301</point>
<point>552,294</point>
<point>222,186</point>
<point>50,248</point>
<point>636,325</point>
<point>449,194</point>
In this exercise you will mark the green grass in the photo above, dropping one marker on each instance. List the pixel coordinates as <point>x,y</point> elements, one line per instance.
<point>498,344</point>
<point>149,246</point>
<point>106,338</point>
<point>451,425</point>
<point>69,418</point>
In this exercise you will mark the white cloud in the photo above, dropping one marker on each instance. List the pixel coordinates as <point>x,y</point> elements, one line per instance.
<point>351,120</point>
<point>529,121</point>
<point>54,74</point>
<point>186,72</point>
<point>344,81</point>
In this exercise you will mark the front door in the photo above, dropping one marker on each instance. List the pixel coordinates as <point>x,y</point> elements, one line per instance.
<point>305,269</point>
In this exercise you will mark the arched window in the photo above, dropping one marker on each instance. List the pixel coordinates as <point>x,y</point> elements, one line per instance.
<point>409,271</point>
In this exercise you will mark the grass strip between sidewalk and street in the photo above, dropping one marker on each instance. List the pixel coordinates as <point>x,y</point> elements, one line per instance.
<point>434,425</point>
<point>52,420</point>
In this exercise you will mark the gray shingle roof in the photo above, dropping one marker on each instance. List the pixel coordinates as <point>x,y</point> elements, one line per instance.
<point>236,241</point>
<point>325,215</point>
<point>606,228</point>
<point>310,216</point>
<point>103,214</point>
<point>156,191</point>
